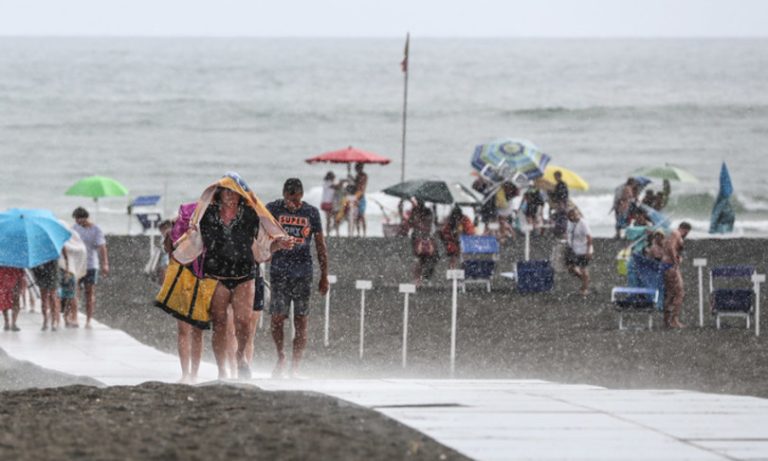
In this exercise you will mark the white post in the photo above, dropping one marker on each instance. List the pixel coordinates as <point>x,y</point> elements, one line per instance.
<point>527,243</point>
<point>331,280</point>
<point>406,288</point>
<point>455,275</point>
<point>293,326</point>
<point>362,285</point>
<point>700,263</point>
<point>757,279</point>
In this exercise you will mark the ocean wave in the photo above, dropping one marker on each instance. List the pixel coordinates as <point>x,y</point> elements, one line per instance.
<point>731,110</point>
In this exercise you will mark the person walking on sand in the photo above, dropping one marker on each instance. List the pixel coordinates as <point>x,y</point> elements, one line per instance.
<point>10,292</point>
<point>327,201</point>
<point>579,252</point>
<point>290,271</point>
<point>622,203</point>
<point>419,223</point>
<point>673,277</point>
<point>96,247</point>
<point>360,181</point>
<point>456,225</point>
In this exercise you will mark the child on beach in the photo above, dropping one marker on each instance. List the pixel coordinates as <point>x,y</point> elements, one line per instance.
<point>67,291</point>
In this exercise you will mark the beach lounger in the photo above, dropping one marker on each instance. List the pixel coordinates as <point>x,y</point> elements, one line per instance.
<point>478,259</point>
<point>634,300</point>
<point>735,300</point>
<point>535,276</point>
<point>645,272</point>
<point>144,207</point>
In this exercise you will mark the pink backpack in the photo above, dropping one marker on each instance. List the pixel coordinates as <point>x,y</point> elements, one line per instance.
<point>180,227</point>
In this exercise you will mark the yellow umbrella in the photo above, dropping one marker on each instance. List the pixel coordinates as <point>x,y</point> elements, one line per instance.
<point>573,180</point>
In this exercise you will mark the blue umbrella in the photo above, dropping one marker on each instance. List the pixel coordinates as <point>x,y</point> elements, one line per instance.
<point>659,219</point>
<point>30,237</point>
<point>501,159</point>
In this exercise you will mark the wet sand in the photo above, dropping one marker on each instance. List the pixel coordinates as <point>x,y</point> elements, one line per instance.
<point>556,336</point>
<point>162,421</point>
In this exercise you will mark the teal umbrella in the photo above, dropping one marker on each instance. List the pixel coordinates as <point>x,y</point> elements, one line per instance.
<point>30,237</point>
<point>668,172</point>
<point>97,187</point>
<point>422,189</point>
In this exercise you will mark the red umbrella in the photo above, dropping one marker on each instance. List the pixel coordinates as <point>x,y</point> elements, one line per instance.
<point>349,155</point>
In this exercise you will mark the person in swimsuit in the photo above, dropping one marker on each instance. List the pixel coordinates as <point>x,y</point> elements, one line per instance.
<point>228,229</point>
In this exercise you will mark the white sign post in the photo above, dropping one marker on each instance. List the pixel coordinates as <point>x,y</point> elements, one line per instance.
<point>700,263</point>
<point>331,280</point>
<point>406,288</point>
<point>527,243</point>
<point>362,285</point>
<point>293,325</point>
<point>455,275</point>
<point>757,279</point>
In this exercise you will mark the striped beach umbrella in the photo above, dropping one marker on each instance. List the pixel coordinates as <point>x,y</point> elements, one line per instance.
<point>501,159</point>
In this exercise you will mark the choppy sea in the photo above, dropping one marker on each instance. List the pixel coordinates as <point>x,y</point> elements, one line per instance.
<point>169,116</point>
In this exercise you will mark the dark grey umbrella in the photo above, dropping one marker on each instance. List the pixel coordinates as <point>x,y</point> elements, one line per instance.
<point>422,189</point>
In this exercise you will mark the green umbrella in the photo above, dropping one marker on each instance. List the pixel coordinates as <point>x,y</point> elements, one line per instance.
<point>669,172</point>
<point>422,189</point>
<point>96,187</point>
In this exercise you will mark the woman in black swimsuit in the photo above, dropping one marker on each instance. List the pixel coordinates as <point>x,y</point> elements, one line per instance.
<point>228,228</point>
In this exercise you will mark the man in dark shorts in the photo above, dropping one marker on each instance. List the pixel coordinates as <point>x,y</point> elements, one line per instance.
<point>96,246</point>
<point>47,280</point>
<point>291,270</point>
<point>579,251</point>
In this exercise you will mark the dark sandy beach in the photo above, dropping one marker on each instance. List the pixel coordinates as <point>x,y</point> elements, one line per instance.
<point>556,336</point>
<point>163,421</point>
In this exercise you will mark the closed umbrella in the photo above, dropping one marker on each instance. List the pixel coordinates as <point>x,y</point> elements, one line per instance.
<point>723,215</point>
<point>30,237</point>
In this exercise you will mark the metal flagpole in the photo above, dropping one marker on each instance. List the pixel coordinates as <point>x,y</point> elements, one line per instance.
<point>404,66</point>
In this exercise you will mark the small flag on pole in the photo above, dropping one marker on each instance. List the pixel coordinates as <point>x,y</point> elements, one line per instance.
<point>404,62</point>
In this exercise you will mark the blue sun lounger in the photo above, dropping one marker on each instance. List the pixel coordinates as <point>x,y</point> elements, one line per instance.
<point>144,207</point>
<point>478,259</point>
<point>634,300</point>
<point>736,300</point>
<point>645,293</point>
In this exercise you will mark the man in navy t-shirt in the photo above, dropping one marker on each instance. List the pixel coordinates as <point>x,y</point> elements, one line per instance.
<point>290,271</point>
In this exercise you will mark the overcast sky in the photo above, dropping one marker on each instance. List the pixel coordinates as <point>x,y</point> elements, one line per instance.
<point>387,18</point>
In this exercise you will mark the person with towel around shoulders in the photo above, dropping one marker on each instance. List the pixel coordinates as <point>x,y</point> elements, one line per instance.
<point>234,231</point>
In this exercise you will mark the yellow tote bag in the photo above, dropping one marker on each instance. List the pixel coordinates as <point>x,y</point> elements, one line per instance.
<point>185,296</point>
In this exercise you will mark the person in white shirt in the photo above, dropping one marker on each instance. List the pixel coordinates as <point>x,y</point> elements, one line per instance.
<point>96,247</point>
<point>579,252</point>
